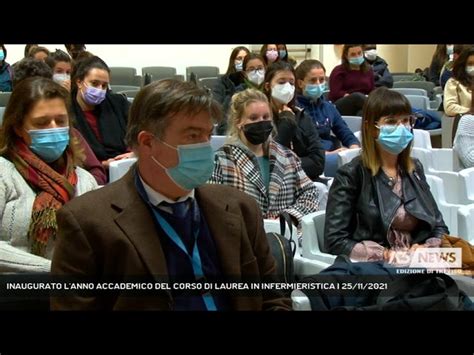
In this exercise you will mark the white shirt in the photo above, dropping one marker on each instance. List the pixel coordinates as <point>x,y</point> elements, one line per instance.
<point>156,198</point>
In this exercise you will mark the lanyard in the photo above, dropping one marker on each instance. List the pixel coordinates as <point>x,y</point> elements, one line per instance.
<point>195,258</point>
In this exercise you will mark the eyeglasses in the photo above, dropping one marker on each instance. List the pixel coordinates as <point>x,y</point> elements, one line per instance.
<point>408,121</point>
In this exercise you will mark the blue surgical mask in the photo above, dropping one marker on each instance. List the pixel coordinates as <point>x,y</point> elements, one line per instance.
<point>238,65</point>
<point>49,144</point>
<point>356,60</point>
<point>59,78</point>
<point>449,50</point>
<point>394,139</point>
<point>2,55</point>
<point>195,166</point>
<point>314,90</point>
<point>282,53</point>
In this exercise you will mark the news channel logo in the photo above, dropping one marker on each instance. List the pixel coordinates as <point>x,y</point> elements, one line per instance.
<point>428,258</point>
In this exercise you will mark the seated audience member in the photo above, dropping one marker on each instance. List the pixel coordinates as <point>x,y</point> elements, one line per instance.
<point>253,75</point>
<point>161,219</point>
<point>39,53</point>
<point>443,53</point>
<point>295,129</point>
<point>39,172</point>
<point>382,76</point>
<point>284,55</point>
<point>227,83</point>
<point>100,115</point>
<point>380,202</point>
<point>28,48</point>
<point>61,64</point>
<point>351,81</point>
<point>447,70</point>
<point>458,90</point>
<point>256,164</point>
<point>269,53</point>
<point>464,140</point>
<point>6,72</point>
<point>333,130</point>
<point>75,50</point>
<point>30,67</point>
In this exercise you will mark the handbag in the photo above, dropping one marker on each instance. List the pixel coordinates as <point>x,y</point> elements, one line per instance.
<point>283,250</point>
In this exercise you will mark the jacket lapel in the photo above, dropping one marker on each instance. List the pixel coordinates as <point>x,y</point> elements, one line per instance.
<point>248,162</point>
<point>137,223</point>
<point>225,228</point>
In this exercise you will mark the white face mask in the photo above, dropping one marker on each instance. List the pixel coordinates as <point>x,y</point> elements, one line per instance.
<point>470,70</point>
<point>283,92</point>
<point>59,78</point>
<point>371,54</point>
<point>256,76</point>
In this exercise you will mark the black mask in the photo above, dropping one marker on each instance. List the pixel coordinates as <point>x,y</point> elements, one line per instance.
<point>258,132</point>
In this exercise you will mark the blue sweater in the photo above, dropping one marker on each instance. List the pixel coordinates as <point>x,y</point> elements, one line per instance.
<point>326,117</point>
<point>5,77</point>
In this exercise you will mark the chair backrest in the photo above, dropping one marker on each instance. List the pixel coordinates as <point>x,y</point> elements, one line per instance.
<point>202,72</point>
<point>125,76</point>
<point>411,91</point>
<point>426,85</point>
<point>2,111</point>
<point>4,98</point>
<point>120,88</point>
<point>209,83</point>
<point>419,102</point>
<point>345,156</point>
<point>217,142</point>
<point>129,93</point>
<point>353,122</point>
<point>402,76</point>
<point>158,73</point>
<point>119,168</point>
<point>465,223</point>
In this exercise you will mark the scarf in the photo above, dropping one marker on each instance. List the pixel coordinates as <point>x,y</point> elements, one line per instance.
<point>52,191</point>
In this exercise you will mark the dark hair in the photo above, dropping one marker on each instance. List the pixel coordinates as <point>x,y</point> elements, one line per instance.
<point>4,51</point>
<point>83,67</point>
<point>440,54</point>
<point>233,55</point>
<point>364,67</point>
<point>22,100</point>
<point>383,102</point>
<point>250,57</point>
<point>75,49</point>
<point>159,101</point>
<point>459,68</point>
<point>263,54</point>
<point>305,67</point>
<point>30,67</point>
<point>270,73</point>
<point>285,58</point>
<point>56,57</point>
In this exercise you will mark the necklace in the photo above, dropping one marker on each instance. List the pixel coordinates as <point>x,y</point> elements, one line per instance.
<point>392,179</point>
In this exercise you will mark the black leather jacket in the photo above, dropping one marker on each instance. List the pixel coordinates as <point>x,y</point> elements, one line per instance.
<point>361,207</point>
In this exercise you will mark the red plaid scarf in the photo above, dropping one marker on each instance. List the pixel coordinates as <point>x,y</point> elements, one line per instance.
<point>52,191</point>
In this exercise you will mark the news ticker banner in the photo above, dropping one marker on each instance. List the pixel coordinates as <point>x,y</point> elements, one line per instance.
<point>330,285</point>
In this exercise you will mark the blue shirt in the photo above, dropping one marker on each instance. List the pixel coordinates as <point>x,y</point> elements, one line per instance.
<point>327,119</point>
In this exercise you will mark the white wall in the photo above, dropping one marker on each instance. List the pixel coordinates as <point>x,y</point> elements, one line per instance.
<point>138,56</point>
<point>401,58</point>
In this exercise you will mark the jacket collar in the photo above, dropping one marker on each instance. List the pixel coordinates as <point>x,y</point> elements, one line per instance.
<point>136,221</point>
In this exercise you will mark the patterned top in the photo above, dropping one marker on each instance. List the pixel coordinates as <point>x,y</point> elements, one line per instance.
<point>398,236</point>
<point>290,190</point>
